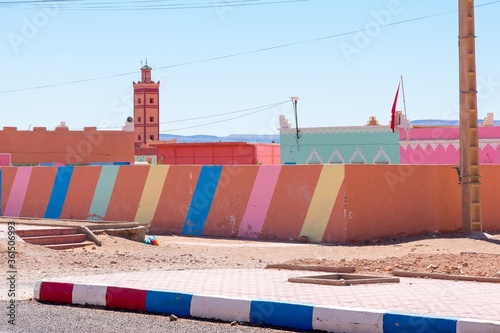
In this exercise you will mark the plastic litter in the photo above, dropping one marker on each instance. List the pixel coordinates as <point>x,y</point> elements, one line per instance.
<point>151,240</point>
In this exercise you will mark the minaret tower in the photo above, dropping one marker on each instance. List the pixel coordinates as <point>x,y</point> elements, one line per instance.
<point>146,108</point>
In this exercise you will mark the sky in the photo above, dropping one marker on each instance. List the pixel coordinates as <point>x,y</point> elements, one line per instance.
<point>231,66</point>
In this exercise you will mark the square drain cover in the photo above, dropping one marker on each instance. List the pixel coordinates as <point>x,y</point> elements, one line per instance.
<point>343,279</point>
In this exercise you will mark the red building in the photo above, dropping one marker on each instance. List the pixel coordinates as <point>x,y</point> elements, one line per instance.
<point>218,153</point>
<point>146,109</point>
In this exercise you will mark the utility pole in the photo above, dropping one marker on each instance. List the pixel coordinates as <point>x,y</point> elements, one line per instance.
<point>469,141</point>
<point>294,101</point>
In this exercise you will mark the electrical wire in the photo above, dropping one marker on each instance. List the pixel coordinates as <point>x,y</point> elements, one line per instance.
<point>223,120</point>
<point>258,108</point>
<point>222,114</point>
<point>238,54</point>
<point>140,5</point>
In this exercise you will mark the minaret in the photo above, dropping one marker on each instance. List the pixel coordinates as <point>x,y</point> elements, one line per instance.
<point>146,108</point>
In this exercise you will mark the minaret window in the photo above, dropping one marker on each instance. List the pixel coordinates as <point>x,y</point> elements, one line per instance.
<point>139,101</point>
<point>151,137</point>
<point>151,119</point>
<point>139,119</point>
<point>151,100</point>
<point>138,138</point>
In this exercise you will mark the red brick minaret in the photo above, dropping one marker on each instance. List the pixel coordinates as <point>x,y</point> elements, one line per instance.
<point>146,109</point>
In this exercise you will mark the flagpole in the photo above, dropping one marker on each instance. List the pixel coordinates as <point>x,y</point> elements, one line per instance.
<point>404,108</point>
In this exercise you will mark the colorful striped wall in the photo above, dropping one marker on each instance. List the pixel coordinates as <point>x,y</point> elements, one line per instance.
<point>326,203</point>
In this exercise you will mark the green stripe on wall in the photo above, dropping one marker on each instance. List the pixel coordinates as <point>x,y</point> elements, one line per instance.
<point>103,191</point>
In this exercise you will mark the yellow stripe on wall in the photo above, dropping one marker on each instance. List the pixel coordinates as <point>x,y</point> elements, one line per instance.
<point>151,194</point>
<point>322,202</point>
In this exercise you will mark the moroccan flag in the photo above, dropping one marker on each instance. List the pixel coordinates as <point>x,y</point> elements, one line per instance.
<point>393,111</point>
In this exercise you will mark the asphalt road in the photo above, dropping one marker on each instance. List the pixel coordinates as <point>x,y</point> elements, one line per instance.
<point>35,317</point>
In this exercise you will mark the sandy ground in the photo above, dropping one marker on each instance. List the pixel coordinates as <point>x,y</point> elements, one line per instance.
<point>451,254</point>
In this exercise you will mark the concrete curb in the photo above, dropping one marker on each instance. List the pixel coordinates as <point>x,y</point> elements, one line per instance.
<point>282,314</point>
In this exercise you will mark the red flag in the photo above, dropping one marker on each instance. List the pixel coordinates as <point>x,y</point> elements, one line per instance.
<point>393,111</point>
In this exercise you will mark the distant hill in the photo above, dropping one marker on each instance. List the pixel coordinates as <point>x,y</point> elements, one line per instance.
<point>439,122</point>
<point>256,138</point>
<point>269,138</point>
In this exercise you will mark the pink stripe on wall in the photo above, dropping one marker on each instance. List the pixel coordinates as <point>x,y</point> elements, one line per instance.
<point>18,192</point>
<point>260,199</point>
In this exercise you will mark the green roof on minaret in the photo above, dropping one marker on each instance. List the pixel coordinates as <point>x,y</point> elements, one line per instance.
<point>146,65</point>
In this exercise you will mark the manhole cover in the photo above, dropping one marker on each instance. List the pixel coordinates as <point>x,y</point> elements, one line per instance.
<point>343,279</point>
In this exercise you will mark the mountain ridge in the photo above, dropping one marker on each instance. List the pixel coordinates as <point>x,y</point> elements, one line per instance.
<point>255,138</point>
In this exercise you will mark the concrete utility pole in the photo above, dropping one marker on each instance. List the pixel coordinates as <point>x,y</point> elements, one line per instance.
<point>469,141</point>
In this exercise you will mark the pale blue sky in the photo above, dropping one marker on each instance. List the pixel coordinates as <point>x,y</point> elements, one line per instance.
<point>340,81</point>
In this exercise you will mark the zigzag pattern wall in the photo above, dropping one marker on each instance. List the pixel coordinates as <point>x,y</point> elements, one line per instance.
<point>259,202</point>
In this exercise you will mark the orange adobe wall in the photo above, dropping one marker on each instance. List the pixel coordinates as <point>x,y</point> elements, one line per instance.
<point>386,200</point>
<point>490,196</point>
<point>62,146</point>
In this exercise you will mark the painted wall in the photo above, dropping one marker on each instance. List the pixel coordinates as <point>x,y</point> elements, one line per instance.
<point>348,145</point>
<point>5,160</point>
<point>63,146</point>
<point>217,153</point>
<point>378,145</point>
<point>441,145</point>
<point>327,203</point>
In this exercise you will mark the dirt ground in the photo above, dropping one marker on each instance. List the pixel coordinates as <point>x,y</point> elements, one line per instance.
<point>451,254</point>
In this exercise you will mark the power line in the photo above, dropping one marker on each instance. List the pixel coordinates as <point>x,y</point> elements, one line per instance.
<point>239,53</point>
<point>224,120</point>
<point>67,83</point>
<point>258,108</point>
<point>222,114</point>
<point>140,5</point>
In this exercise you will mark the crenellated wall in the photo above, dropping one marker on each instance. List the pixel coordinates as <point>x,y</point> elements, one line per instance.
<point>327,203</point>
<point>64,146</point>
<point>441,145</point>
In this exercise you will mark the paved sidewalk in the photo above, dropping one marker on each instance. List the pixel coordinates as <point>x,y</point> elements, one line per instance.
<point>265,296</point>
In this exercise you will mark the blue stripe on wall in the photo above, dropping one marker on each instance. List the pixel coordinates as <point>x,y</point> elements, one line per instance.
<point>396,323</point>
<point>103,191</point>
<point>178,304</point>
<point>202,200</point>
<point>59,191</point>
<point>297,316</point>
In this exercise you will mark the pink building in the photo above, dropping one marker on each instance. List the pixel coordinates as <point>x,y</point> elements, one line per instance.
<point>441,145</point>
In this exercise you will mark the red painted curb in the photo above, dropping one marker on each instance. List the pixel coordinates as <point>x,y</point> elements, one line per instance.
<point>56,292</point>
<point>126,298</point>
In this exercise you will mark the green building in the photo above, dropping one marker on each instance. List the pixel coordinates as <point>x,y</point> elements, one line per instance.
<point>371,144</point>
